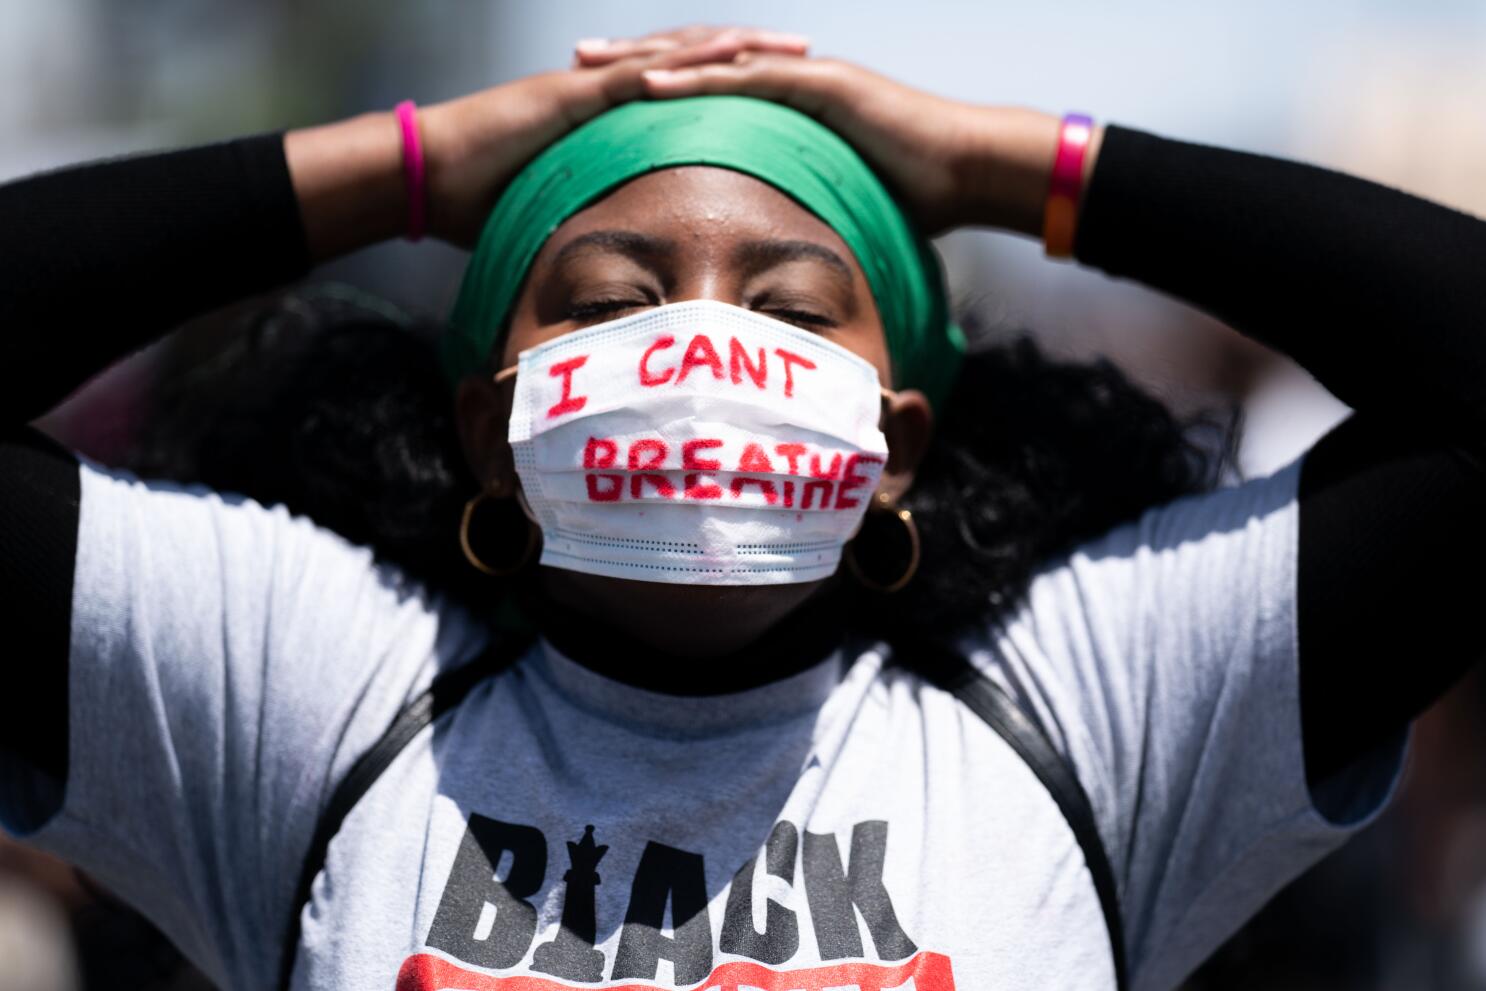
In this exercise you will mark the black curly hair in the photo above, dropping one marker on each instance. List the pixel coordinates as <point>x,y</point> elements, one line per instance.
<point>335,405</point>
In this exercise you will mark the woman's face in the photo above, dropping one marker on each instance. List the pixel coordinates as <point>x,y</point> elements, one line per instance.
<point>695,232</point>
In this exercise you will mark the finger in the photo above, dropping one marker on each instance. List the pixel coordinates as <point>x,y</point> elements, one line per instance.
<point>720,48</point>
<point>691,47</point>
<point>805,84</point>
<point>603,51</point>
<point>769,76</point>
<point>727,48</point>
<point>697,34</point>
<point>691,34</point>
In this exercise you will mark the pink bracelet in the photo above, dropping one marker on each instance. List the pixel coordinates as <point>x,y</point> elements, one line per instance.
<point>412,169</point>
<point>1061,213</point>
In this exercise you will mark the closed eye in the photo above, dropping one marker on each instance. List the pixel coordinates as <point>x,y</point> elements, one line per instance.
<point>595,309</point>
<point>580,312</point>
<point>586,311</point>
<point>801,317</point>
<point>792,305</point>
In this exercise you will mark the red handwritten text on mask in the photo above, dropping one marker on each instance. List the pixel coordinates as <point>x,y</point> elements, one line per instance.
<point>789,475</point>
<point>564,370</point>
<point>702,354</point>
<point>664,362</point>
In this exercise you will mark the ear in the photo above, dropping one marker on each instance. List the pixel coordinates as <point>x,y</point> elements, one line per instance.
<point>482,412</point>
<point>908,424</point>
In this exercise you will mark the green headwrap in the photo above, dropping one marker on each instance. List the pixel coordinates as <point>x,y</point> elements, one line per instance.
<point>768,141</point>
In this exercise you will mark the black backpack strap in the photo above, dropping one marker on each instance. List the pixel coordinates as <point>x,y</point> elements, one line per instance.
<point>446,692</point>
<point>951,671</point>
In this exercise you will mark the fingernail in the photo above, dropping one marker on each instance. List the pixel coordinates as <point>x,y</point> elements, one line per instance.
<point>592,44</point>
<point>661,76</point>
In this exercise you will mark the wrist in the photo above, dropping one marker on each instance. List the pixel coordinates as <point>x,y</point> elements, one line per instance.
<point>444,147</point>
<point>1012,165</point>
<point>348,179</point>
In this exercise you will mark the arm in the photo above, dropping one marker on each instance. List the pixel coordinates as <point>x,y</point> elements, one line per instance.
<point>1299,619</point>
<point>115,253</point>
<point>119,251</point>
<point>102,258</point>
<point>1376,293</point>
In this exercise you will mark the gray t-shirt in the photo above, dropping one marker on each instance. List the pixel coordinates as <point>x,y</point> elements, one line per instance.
<point>848,827</point>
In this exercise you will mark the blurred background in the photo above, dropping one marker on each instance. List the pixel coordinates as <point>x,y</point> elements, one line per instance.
<point>1390,90</point>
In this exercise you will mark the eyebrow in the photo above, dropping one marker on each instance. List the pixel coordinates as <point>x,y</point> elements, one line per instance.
<point>754,256</point>
<point>643,248</point>
<point>758,256</point>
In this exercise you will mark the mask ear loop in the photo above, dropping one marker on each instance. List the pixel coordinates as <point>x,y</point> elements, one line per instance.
<point>500,378</point>
<point>887,395</point>
<point>883,505</point>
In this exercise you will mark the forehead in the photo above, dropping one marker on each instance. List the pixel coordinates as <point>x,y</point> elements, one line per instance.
<point>700,206</point>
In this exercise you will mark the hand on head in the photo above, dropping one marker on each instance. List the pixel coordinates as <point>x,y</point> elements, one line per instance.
<point>923,144</point>
<point>953,163</point>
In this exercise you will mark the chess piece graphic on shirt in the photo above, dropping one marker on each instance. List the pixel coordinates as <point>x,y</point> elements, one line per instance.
<point>571,954</point>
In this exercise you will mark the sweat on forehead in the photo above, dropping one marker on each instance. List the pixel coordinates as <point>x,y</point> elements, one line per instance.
<point>775,144</point>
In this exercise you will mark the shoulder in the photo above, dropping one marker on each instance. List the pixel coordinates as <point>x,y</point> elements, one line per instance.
<point>188,565</point>
<point>1194,556</point>
<point>212,525</point>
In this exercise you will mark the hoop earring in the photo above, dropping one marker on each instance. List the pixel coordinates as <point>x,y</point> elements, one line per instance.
<point>469,551</point>
<point>882,506</point>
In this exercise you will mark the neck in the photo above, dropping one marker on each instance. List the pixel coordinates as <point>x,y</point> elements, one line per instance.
<point>802,638</point>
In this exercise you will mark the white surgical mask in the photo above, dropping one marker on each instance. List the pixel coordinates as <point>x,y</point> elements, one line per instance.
<point>697,443</point>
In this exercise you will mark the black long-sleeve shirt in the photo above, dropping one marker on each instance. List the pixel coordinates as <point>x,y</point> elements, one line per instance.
<point>1379,294</point>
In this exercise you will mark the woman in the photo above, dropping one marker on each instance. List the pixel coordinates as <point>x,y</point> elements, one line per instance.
<point>706,782</point>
